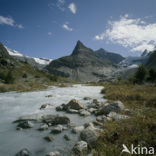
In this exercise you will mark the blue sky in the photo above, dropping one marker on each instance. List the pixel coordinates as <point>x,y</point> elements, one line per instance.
<point>51,28</point>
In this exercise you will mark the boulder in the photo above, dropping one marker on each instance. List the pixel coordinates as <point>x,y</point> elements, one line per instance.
<point>92,110</point>
<point>55,119</point>
<point>116,117</point>
<point>44,106</point>
<point>25,125</point>
<point>102,118</point>
<point>24,152</point>
<point>56,153</point>
<point>77,129</point>
<point>49,138</point>
<point>66,137</point>
<point>74,104</point>
<point>90,136</point>
<point>43,127</point>
<point>57,129</point>
<point>72,111</point>
<point>86,98</point>
<point>59,108</point>
<point>84,113</point>
<point>80,148</point>
<point>33,117</point>
<point>116,106</point>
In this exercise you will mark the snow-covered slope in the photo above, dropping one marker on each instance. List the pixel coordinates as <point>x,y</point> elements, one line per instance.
<point>13,52</point>
<point>43,61</point>
<point>18,55</point>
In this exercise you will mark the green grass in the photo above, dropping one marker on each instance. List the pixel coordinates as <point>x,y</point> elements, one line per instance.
<point>139,129</point>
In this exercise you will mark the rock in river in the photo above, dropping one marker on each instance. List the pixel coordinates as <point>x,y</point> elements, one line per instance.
<point>56,153</point>
<point>24,152</point>
<point>49,138</point>
<point>25,125</point>
<point>56,119</point>
<point>71,106</point>
<point>80,148</point>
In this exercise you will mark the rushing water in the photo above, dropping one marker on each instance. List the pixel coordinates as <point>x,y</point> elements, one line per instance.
<point>13,105</point>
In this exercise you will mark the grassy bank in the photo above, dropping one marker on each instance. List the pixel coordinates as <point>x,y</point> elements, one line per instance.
<point>139,129</point>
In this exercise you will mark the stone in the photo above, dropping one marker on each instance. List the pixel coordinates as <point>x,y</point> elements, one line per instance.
<point>44,106</point>
<point>59,108</point>
<point>84,113</point>
<point>86,98</point>
<point>25,125</point>
<point>77,129</point>
<point>67,137</point>
<point>74,104</point>
<point>48,96</point>
<point>72,111</point>
<point>116,106</point>
<point>24,152</point>
<point>56,119</point>
<point>90,136</point>
<point>56,153</point>
<point>43,127</point>
<point>49,138</point>
<point>57,129</point>
<point>116,117</point>
<point>92,110</point>
<point>80,148</point>
<point>102,118</point>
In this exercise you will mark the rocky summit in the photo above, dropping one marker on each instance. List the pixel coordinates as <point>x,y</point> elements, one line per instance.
<point>82,65</point>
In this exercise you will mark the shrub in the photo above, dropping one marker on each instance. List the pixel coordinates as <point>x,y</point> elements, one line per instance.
<point>2,76</point>
<point>9,78</point>
<point>140,75</point>
<point>54,78</point>
<point>24,75</point>
<point>152,75</point>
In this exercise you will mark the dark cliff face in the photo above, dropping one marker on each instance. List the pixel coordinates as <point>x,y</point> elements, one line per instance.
<point>113,57</point>
<point>3,52</point>
<point>82,65</point>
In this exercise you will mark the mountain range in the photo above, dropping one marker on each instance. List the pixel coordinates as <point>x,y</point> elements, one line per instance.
<point>84,64</point>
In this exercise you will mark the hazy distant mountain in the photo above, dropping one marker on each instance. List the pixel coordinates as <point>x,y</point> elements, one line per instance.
<point>151,63</point>
<point>82,65</point>
<point>113,57</point>
<point>35,62</point>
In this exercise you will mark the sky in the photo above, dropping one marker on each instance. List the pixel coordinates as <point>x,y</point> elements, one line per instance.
<point>51,28</point>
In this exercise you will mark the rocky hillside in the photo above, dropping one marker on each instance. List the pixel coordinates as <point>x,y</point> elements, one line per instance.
<point>82,65</point>
<point>151,63</point>
<point>113,57</point>
<point>19,75</point>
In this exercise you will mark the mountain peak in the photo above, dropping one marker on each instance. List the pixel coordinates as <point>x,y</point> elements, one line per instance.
<point>80,47</point>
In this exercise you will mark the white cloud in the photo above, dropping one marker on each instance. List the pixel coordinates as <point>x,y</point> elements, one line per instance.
<point>20,26</point>
<point>133,33</point>
<point>49,33</point>
<point>65,26</point>
<point>59,4</point>
<point>7,20</point>
<point>72,8</point>
<point>10,21</point>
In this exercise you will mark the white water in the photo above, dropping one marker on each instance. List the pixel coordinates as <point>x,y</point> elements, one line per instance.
<point>13,105</point>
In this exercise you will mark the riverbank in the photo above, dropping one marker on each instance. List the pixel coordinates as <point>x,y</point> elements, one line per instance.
<point>139,129</point>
